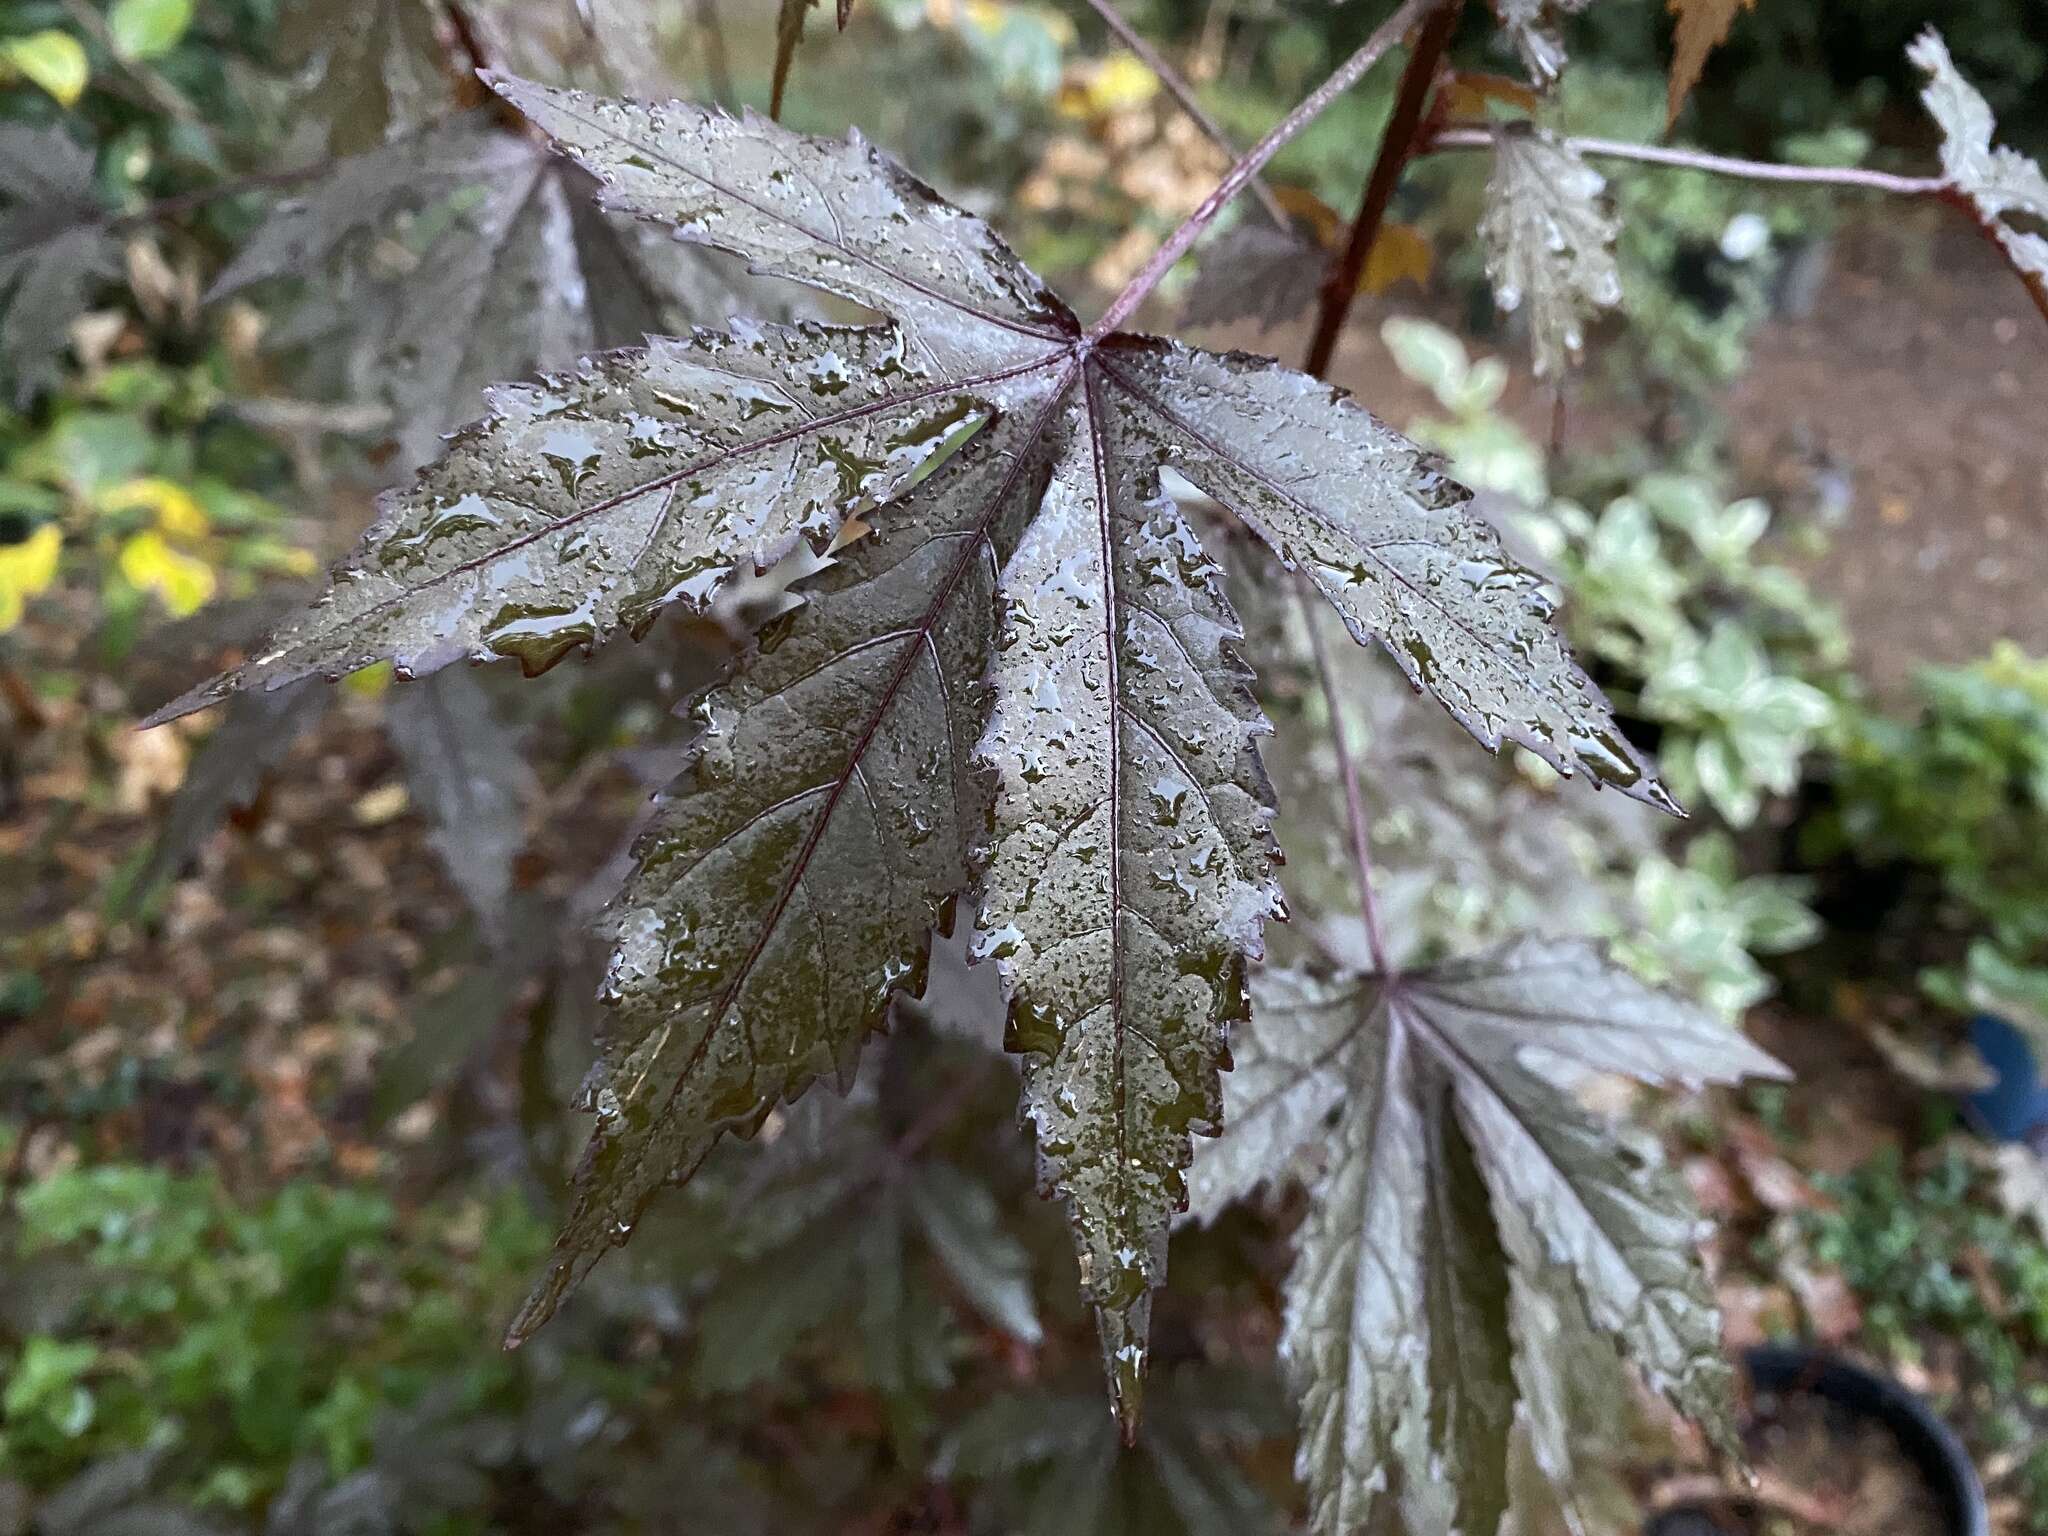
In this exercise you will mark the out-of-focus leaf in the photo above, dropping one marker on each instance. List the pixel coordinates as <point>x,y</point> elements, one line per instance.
<point>1052,1467</point>
<point>1998,181</point>
<point>27,569</point>
<point>1460,1176</point>
<point>790,16</point>
<point>470,779</point>
<point>54,245</point>
<point>1549,242</point>
<point>1253,271</point>
<point>253,736</point>
<point>146,29</point>
<point>524,275</point>
<point>52,59</point>
<point>375,67</point>
<point>790,890</point>
<point>1700,26</point>
<point>1532,28</point>
<point>964,1226</point>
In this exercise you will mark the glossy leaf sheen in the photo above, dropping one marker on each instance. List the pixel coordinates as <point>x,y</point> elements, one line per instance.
<point>1465,1198</point>
<point>1025,681</point>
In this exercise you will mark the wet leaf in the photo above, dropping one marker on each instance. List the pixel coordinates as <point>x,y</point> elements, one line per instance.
<point>1462,1182</point>
<point>470,779</point>
<point>1024,680</point>
<point>53,248</point>
<point>1698,28</point>
<point>792,875</point>
<point>1549,241</point>
<point>1533,28</point>
<point>1998,181</point>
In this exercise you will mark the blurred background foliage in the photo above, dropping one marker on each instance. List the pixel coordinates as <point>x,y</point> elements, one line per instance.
<point>282,1130</point>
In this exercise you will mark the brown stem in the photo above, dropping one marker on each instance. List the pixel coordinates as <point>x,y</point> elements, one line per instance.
<point>1849,177</point>
<point>1340,285</point>
<point>1346,75</point>
<point>1354,802</point>
<point>1184,97</point>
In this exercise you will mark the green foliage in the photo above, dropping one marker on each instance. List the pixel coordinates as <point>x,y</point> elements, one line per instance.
<point>240,1337</point>
<point>136,480</point>
<point>1668,588</point>
<point>1936,1264</point>
<point>1961,793</point>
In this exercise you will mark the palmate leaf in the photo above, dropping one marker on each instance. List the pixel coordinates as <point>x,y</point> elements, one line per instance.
<point>524,273</point>
<point>54,244</point>
<point>1024,683</point>
<point>1549,242</point>
<point>1465,1201</point>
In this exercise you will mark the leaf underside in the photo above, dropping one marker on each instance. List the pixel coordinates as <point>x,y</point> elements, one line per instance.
<point>1472,1225</point>
<point>1998,181</point>
<point>1549,242</point>
<point>1023,683</point>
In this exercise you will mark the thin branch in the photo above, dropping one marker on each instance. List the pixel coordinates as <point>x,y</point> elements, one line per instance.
<point>1183,93</point>
<point>1348,74</point>
<point>1468,137</point>
<point>189,202</point>
<point>1397,145</point>
<point>1354,803</point>
<point>1849,177</point>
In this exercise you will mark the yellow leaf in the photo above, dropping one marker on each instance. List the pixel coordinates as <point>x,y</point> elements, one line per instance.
<point>1702,26</point>
<point>178,514</point>
<point>1400,251</point>
<point>1120,83</point>
<point>54,60</point>
<point>182,583</point>
<point>1323,220</point>
<point>26,569</point>
<point>370,681</point>
<point>1468,92</point>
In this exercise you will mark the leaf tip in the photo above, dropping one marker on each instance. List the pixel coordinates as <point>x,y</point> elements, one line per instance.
<point>1124,1358</point>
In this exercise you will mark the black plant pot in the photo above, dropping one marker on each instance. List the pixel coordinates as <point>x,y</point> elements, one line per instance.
<point>1928,1444</point>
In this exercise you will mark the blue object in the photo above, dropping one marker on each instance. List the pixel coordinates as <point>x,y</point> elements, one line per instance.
<point>2016,1105</point>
